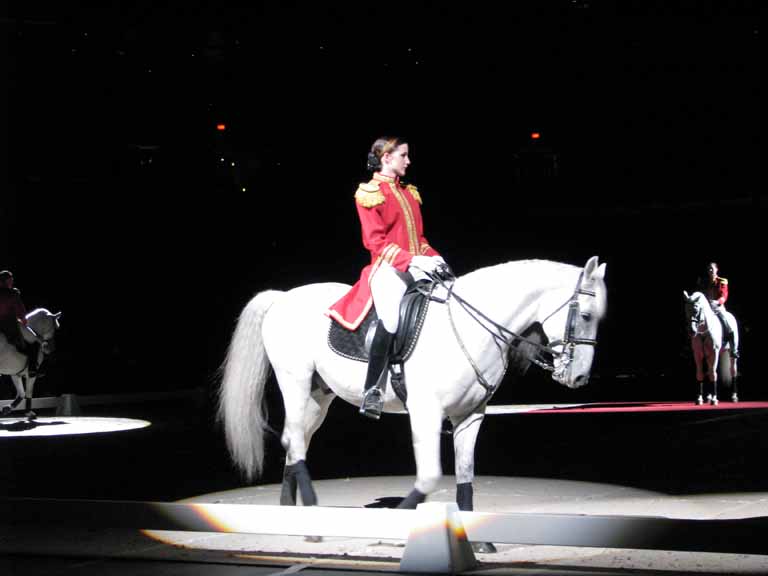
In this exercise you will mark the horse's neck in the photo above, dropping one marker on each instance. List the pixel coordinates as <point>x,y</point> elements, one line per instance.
<point>37,320</point>
<point>517,294</point>
<point>706,310</point>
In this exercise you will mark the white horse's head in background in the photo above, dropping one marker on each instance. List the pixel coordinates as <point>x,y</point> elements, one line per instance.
<point>699,316</point>
<point>42,326</point>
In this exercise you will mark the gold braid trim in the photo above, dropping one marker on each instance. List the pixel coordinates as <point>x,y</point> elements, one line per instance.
<point>414,192</point>
<point>369,195</point>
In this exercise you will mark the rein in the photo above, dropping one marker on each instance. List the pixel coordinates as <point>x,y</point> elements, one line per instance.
<point>504,336</point>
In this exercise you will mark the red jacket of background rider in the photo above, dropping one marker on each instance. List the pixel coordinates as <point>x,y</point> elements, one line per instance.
<point>717,290</point>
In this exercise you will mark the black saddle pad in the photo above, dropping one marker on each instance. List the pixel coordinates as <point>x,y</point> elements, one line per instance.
<point>413,309</point>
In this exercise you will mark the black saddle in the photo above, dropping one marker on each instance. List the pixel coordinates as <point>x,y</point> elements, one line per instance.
<point>355,344</point>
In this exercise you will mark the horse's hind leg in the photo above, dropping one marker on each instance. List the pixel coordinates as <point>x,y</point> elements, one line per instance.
<point>317,408</point>
<point>305,409</point>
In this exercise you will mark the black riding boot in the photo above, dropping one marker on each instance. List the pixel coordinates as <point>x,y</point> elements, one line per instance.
<point>378,362</point>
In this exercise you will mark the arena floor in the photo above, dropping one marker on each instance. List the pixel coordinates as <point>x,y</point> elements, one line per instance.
<point>638,459</point>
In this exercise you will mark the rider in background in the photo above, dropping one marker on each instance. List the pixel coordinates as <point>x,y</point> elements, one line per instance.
<point>393,232</point>
<point>13,319</point>
<point>716,289</point>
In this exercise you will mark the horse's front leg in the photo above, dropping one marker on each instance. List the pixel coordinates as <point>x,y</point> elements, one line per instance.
<point>19,385</point>
<point>426,417</point>
<point>464,439</point>
<point>698,360</point>
<point>712,375</point>
<point>30,414</point>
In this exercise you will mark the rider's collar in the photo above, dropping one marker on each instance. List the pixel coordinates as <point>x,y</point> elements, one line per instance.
<point>387,179</point>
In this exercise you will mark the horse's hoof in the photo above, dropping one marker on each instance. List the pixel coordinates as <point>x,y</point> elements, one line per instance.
<point>31,415</point>
<point>484,547</point>
<point>714,401</point>
<point>5,411</point>
<point>699,401</point>
<point>734,398</point>
<point>315,539</point>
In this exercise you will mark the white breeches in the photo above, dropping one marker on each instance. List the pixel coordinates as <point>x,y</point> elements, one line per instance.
<point>387,289</point>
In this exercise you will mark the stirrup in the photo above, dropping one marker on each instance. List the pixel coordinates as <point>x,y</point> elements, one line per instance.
<point>372,403</point>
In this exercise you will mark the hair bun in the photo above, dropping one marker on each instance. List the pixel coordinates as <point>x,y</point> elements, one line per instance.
<point>374,163</point>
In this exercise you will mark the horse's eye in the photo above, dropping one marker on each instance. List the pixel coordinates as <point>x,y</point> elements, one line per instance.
<point>587,316</point>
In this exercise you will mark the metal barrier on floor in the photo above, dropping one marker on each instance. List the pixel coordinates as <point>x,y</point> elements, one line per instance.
<point>71,404</point>
<point>437,534</point>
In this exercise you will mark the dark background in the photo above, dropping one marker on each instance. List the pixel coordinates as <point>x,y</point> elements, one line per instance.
<point>121,206</point>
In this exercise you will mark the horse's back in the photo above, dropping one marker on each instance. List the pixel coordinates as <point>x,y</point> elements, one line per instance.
<point>297,318</point>
<point>310,298</point>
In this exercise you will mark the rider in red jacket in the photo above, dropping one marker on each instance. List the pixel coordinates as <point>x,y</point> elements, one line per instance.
<point>716,290</point>
<point>13,318</point>
<point>393,232</point>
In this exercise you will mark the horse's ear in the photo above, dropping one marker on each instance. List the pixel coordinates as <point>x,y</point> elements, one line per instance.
<point>57,315</point>
<point>591,269</point>
<point>600,272</point>
<point>685,295</point>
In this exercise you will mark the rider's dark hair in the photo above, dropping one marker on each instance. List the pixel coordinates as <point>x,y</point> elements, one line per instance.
<point>380,147</point>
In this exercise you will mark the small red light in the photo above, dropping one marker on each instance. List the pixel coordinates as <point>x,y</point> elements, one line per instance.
<point>221,127</point>
<point>535,135</point>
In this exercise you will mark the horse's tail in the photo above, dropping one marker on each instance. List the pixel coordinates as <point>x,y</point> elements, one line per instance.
<point>245,372</point>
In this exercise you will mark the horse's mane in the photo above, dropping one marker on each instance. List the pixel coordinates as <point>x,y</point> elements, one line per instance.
<point>39,312</point>
<point>548,273</point>
<point>480,273</point>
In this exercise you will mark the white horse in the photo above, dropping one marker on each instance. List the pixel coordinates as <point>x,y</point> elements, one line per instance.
<point>707,344</point>
<point>459,360</point>
<point>41,328</point>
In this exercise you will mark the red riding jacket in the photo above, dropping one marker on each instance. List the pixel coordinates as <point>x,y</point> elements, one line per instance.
<point>717,290</point>
<point>393,232</point>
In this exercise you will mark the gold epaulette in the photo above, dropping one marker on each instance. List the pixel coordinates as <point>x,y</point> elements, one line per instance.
<point>414,192</point>
<point>368,195</point>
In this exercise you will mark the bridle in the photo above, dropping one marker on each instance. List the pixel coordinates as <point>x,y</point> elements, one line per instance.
<point>697,317</point>
<point>44,340</point>
<point>573,334</point>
